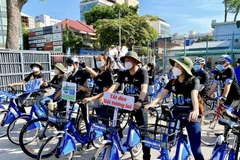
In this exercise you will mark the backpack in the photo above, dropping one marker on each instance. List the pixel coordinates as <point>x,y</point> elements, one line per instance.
<point>200,101</point>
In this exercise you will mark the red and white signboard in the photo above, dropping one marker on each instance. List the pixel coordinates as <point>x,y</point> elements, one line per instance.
<point>118,101</point>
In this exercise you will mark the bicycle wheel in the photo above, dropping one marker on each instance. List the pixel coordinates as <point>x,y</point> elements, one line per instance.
<point>97,142</point>
<point>15,127</point>
<point>50,150</point>
<point>32,137</point>
<point>136,150</point>
<point>3,126</point>
<point>210,128</point>
<point>104,152</point>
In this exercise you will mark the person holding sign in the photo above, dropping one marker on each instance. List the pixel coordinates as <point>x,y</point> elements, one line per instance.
<point>56,83</point>
<point>185,89</point>
<point>103,81</point>
<point>135,81</point>
<point>36,68</point>
<point>36,74</point>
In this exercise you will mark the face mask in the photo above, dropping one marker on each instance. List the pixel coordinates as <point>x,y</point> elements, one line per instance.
<point>176,72</point>
<point>70,68</point>
<point>128,65</point>
<point>56,71</point>
<point>220,67</point>
<point>196,67</point>
<point>99,64</point>
<point>238,64</point>
<point>35,69</point>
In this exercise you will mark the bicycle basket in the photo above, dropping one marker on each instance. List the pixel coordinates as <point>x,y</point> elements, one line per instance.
<point>161,135</point>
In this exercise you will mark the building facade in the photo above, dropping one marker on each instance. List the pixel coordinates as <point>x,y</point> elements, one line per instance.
<point>3,23</point>
<point>162,27</point>
<point>46,20</point>
<point>86,5</point>
<point>28,21</point>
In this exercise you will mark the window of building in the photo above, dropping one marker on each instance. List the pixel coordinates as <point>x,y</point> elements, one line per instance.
<point>4,20</point>
<point>3,3</point>
<point>3,14</point>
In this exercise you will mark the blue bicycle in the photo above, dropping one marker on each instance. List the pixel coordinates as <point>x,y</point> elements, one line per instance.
<point>15,127</point>
<point>222,149</point>
<point>165,133</point>
<point>9,113</point>
<point>109,150</point>
<point>62,145</point>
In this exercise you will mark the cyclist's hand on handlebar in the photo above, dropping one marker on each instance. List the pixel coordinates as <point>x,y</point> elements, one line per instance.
<point>10,85</point>
<point>193,116</point>
<point>147,107</point>
<point>86,100</point>
<point>137,105</point>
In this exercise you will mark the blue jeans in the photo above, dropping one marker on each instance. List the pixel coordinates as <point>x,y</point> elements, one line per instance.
<point>194,135</point>
<point>45,100</point>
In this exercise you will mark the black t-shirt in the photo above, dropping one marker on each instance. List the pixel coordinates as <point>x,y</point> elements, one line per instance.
<point>79,78</point>
<point>222,78</point>
<point>151,75</point>
<point>182,93</point>
<point>57,82</point>
<point>103,80</point>
<point>132,83</point>
<point>32,76</point>
<point>204,78</point>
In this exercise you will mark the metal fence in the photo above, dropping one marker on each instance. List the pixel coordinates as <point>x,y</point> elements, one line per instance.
<point>15,65</point>
<point>207,46</point>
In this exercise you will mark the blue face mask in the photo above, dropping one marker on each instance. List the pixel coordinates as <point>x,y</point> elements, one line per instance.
<point>196,67</point>
<point>99,64</point>
<point>220,67</point>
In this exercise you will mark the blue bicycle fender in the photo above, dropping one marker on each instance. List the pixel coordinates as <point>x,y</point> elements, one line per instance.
<point>35,125</point>
<point>135,137</point>
<point>114,153</point>
<point>68,144</point>
<point>97,134</point>
<point>231,155</point>
<point>220,152</point>
<point>9,117</point>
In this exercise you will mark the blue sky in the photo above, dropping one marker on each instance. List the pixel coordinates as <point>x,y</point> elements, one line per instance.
<point>182,15</point>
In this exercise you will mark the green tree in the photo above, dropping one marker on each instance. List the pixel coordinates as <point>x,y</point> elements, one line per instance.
<point>71,40</point>
<point>205,38</point>
<point>132,27</point>
<point>14,8</point>
<point>233,7</point>
<point>151,17</point>
<point>109,12</point>
<point>25,37</point>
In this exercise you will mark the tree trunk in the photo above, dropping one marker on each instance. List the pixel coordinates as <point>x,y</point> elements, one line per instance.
<point>236,14</point>
<point>14,8</point>
<point>225,11</point>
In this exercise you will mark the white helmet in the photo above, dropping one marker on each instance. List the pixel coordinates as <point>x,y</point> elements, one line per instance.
<point>199,60</point>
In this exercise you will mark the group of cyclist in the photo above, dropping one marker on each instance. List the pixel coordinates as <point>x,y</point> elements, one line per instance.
<point>191,80</point>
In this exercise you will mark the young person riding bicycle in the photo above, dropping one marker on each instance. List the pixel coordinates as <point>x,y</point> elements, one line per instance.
<point>35,74</point>
<point>102,82</point>
<point>56,83</point>
<point>78,76</point>
<point>225,77</point>
<point>185,89</point>
<point>135,80</point>
<point>202,75</point>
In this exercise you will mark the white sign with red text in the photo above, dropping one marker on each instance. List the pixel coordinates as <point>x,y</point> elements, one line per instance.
<point>118,101</point>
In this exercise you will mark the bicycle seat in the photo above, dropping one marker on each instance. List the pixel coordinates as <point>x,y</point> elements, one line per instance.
<point>225,122</point>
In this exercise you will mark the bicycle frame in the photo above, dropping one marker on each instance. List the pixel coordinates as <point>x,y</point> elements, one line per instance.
<point>133,138</point>
<point>67,145</point>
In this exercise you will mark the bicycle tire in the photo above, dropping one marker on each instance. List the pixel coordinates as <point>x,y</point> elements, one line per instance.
<point>24,144</point>
<point>3,128</point>
<point>108,146</point>
<point>210,128</point>
<point>52,153</point>
<point>10,129</point>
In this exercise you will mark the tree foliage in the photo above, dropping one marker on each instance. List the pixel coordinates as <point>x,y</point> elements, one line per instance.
<point>109,12</point>
<point>151,17</point>
<point>71,40</point>
<point>233,7</point>
<point>132,28</point>
<point>205,38</point>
